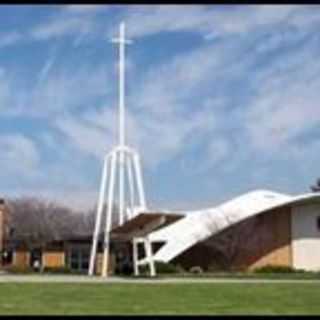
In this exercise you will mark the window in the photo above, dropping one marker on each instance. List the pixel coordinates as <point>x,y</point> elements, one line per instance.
<point>79,258</point>
<point>84,259</point>
<point>74,259</point>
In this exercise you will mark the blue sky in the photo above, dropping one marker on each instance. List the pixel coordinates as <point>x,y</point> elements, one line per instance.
<point>221,100</point>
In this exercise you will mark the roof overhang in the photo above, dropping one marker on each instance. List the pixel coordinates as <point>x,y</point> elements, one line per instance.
<point>143,224</point>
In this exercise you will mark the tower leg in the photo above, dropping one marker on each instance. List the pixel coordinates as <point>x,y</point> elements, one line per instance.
<point>109,216</point>
<point>149,254</point>
<point>135,257</point>
<point>99,216</point>
<point>131,186</point>
<point>142,200</point>
<point>121,186</point>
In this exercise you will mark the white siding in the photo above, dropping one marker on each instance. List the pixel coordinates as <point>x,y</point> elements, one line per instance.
<point>306,237</point>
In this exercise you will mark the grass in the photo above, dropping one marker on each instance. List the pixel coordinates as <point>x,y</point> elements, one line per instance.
<point>249,275</point>
<point>159,299</point>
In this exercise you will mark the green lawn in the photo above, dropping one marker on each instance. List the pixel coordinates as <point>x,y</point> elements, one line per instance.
<point>207,275</point>
<point>248,275</point>
<point>199,298</point>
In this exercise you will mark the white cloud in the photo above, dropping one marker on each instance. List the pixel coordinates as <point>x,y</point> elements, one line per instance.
<point>9,38</point>
<point>158,141</point>
<point>57,92</point>
<point>209,21</point>
<point>5,89</point>
<point>157,122</point>
<point>73,20</point>
<point>161,121</point>
<point>61,27</point>
<point>285,106</point>
<point>218,150</point>
<point>86,137</point>
<point>285,117</point>
<point>85,8</point>
<point>80,200</point>
<point>165,86</point>
<point>19,156</point>
<point>43,74</point>
<point>147,20</point>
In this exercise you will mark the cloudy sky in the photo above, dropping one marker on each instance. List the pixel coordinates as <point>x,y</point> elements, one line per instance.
<point>221,100</point>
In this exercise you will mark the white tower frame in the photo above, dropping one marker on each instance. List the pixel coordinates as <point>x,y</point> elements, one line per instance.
<point>120,160</point>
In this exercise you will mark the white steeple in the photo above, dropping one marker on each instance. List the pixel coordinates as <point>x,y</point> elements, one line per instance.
<point>125,162</point>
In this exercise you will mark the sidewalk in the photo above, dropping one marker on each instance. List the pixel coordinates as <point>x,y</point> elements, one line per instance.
<point>5,278</point>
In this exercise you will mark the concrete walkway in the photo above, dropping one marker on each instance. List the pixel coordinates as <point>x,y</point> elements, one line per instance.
<point>5,278</point>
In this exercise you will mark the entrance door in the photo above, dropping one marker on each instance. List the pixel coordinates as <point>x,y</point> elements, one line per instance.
<point>36,258</point>
<point>78,259</point>
<point>123,258</point>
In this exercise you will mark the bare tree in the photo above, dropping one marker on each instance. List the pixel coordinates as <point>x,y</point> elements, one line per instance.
<point>90,219</point>
<point>37,221</point>
<point>316,186</point>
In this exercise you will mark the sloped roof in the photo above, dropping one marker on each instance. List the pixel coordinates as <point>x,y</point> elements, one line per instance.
<point>199,225</point>
<point>143,219</point>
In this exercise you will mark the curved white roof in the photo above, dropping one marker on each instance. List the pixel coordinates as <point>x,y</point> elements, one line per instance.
<point>199,225</point>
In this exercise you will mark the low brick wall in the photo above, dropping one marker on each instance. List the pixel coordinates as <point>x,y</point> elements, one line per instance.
<point>53,259</point>
<point>21,259</point>
<point>99,264</point>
